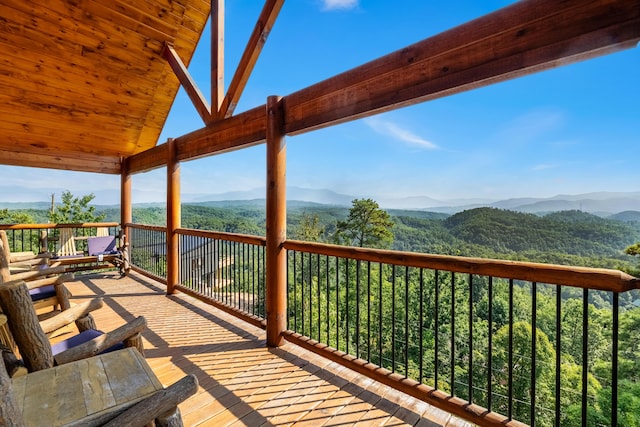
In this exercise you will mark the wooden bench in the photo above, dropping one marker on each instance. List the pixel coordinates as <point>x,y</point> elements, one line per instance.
<point>102,252</point>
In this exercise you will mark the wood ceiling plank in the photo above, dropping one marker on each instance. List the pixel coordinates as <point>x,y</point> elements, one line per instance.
<point>42,143</point>
<point>69,28</point>
<point>76,129</point>
<point>21,97</point>
<point>82,83</point>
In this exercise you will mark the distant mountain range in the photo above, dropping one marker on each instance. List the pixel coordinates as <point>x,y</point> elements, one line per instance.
<point>605,204</point>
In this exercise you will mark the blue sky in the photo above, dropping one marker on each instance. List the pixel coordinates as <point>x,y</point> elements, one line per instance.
<point>571,130</point>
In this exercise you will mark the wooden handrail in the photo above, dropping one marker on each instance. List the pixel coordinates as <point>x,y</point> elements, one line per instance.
<point>580,277</point>
<point>147,227</point>
<point>238,238</point>
<point>43,226</point>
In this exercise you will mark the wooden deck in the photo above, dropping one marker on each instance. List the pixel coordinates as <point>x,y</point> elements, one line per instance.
<point>242,382</point>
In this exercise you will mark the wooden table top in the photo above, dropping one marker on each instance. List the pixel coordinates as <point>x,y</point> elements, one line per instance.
<point>86,392</point>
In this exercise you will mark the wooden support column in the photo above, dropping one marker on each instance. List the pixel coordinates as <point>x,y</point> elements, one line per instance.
<point>276,256</point>
<point>126,215</point>
<point>173,217</point>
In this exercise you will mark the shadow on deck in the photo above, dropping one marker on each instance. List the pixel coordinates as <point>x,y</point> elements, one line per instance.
<point>242,382</point>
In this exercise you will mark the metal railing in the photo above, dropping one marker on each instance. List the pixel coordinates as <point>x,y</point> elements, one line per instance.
<point>496,342</point>
<point>148,250</point>
<point>493,341</point>
<point>226,268</point>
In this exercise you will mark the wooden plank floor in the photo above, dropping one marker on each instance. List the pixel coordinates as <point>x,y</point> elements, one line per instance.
<point>242,382</point>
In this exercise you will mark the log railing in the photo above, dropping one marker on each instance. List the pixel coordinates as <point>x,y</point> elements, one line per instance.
<point>495,342</point>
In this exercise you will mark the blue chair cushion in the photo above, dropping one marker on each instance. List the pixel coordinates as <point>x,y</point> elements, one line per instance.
<point>81,338</point>
<point>43,292</point>
<point>103,245</point>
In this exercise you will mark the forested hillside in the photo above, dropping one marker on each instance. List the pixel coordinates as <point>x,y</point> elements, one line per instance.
<point>567,237</point>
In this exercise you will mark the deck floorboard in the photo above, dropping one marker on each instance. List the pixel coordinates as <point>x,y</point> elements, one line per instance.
<point>242,382</point>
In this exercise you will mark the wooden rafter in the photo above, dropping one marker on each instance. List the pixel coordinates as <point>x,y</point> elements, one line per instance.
<point>525,37</point>
<point>217,55</point>
<point>189,85</point>
<point>250,56</point>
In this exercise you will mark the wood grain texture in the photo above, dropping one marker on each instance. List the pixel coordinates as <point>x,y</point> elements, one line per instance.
<point>34,345</point>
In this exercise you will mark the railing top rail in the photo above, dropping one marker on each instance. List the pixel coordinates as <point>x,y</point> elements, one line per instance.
<point>581,277</point>
<point>239,238</point>
<point>147,227</point>
<point>70,225</point>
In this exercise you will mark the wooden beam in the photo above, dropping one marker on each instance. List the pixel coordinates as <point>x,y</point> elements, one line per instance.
<point>80,163</point>
<point>217,55</point>
<point>276,255</point>
<point>250,56</point>
<point>189,85</point>
<point>526,37</point>
<point>153,158</point>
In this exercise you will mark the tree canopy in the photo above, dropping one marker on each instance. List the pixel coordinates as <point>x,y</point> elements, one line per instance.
<point>366,226</point>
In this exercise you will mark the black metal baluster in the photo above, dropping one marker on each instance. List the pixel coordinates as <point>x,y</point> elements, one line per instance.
<point>421,329</point>
<point>406,322</point>
<point>614,360</point>
<point>357,308</point>
<point>437,329</point>
<point>381,362</point>
<point>490,347</point>
<point>393,318</point>
<point>453,334</point>
<point>510,376</point>
<point>585,349</point>
<point>318,295</point>
<point>470,373</point>
<point>368,311</point>
<point>534,303</point>
<point>558,351</point>
<point>346,262</point>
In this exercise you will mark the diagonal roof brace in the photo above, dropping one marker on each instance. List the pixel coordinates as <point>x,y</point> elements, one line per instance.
<point>189,85</point>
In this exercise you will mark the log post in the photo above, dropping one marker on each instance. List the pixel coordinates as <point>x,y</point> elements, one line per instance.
<point>276,256</point>
<point>173,217</point>
<point>10,414</point>
<point>32,342</point>
<point>126,214</point>
<point>136,342</point>
<point>5,272</point>
<point>44,241</point>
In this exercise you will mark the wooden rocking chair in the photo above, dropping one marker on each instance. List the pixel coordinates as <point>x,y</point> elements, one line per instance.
<point>45,283</point>
<point>30,334</point>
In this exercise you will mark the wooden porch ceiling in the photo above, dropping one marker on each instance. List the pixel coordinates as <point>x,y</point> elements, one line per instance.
<point>83,83</point>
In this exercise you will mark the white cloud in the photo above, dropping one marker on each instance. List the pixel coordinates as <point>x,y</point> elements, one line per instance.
<point>391,129</point>
<point>339,4</point>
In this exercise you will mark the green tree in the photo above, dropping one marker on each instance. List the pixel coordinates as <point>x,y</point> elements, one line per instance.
<point>75,210</point>
<point>15,217</point>
<point>309,228</point>
<point>366,226</point>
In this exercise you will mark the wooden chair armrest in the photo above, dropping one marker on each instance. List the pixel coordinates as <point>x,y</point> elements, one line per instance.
<point>158,404</point>
<point>34,274</point>
<point>37,283</point>
<point>70,315</point>
<point>103,342</point>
